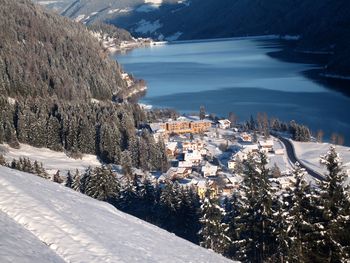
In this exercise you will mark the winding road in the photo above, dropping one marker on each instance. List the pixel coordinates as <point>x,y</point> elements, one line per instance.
<point>293,158</point>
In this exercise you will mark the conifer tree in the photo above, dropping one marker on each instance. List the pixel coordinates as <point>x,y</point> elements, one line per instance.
<point>53,138</point>
<point>76,184</point>
<point>69,180</point>
<point>295,219</point>
<point>213,232</point>
<point>333,202</point>
<point>126,162</point>
<point>84,180</point>
<point>255,224</point>
<point>232,208</point>
<point>102,184</point>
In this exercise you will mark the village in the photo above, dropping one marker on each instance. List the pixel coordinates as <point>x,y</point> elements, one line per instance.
<point>205,154</point>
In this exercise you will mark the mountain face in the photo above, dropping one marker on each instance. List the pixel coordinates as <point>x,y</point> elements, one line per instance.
<point>42,221</point>
<point>323,26</point>
<point>43,54</point>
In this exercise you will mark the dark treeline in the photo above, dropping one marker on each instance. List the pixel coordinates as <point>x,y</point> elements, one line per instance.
<point>264,125</point>
<point>105,129</point>
<point>168,206</point>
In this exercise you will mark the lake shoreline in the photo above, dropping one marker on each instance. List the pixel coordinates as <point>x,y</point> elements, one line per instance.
<point>244,76</point>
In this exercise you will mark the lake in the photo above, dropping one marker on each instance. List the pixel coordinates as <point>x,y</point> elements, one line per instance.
<point>237,75</point>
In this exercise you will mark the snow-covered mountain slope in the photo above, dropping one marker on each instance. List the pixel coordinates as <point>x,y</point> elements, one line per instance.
<point>17,244</point>
<point>76,228</point>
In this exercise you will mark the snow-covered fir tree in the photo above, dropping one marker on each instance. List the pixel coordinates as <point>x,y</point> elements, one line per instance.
<point>103,184</point>
<point>257,241</point>
<point>69,180</point>
<point>295,219</point>
<point>232,208</point>
<point>332,200</point>
<point>76,184</point>
<point>128,193</point>
<point>213,233</point>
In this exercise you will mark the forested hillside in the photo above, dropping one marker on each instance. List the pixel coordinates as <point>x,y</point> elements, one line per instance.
<point>43,54</point>
<point>50,70</point>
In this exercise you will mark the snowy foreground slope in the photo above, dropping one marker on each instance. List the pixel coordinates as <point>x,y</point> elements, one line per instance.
<point>57,224</point>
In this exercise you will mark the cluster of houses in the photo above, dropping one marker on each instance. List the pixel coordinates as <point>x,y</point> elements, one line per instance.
<point>193,163</point>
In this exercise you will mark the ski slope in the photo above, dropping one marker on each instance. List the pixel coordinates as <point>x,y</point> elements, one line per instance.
<point>57,224</point>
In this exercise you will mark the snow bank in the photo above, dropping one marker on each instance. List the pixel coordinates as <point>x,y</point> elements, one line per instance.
<point>51,160</point>
<point>309,153</point>
<point>80,229</point>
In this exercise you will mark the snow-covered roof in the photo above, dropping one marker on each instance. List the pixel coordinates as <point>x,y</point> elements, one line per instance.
<point>225,121</point>
<point>266,143</point>
<point>171,146</point>
<point>156,126</point>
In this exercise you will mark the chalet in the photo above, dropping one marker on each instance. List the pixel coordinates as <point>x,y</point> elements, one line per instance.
<point>158,131</point>
<point>224,124</point>
<point>250,149</point>
<point>192,145</point>
<point>245,137</point>
<point>193,156</point>
<point>209,170</point>
<point>178,173</point>
<point>266,145</point>
<point>203,186</point>
<point>171,149</point>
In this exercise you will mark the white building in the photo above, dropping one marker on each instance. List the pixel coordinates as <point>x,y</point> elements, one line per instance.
<point>171,148</point>
<point>192,145</point>
<point>209,170</point>
<point>193,156</point>
<point>266,145</point>
<point>231,164</point>
<point>224,124</point>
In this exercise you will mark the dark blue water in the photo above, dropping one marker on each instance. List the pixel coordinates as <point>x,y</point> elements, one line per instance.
<point>238,76</point>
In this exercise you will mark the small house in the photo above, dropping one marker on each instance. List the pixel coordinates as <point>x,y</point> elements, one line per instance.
<point>266,145</point>
<point>245,137</point>
<point>209,170</point>
<point>171,148</point>
<point>224,124</point>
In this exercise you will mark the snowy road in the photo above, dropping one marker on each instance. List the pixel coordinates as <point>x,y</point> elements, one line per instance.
<point>293,158</point>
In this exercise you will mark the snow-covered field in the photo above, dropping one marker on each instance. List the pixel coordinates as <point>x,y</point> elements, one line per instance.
<point>309,153</point>
<point>42,221</point>
<point>51,160</point>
